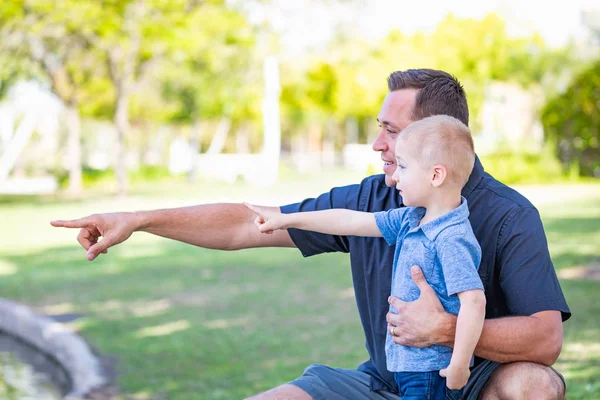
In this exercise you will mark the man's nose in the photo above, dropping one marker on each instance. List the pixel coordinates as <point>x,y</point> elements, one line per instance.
<point>380,144</point>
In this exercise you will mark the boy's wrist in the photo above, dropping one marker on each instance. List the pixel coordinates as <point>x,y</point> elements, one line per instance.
<point>289,220</point>
<point>459,365</point>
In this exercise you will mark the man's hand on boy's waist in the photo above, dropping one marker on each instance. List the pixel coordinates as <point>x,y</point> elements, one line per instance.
<point>423,322</point>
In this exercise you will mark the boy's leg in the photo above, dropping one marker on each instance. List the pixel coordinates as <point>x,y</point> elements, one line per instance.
<point>491,380</point>
<point>320,382</point>
<point>422,385</point>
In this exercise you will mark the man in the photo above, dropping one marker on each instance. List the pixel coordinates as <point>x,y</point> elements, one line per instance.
<point>522,335</point>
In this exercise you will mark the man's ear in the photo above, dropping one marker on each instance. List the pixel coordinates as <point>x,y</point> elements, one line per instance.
<point>439,175</point>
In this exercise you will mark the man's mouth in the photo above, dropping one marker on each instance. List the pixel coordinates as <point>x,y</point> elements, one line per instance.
<point>388,166</point>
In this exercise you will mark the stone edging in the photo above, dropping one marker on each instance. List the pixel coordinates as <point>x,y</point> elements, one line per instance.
<point>57,341</point>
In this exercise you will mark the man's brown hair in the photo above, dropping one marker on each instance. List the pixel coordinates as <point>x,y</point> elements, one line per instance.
<point>439,93</point>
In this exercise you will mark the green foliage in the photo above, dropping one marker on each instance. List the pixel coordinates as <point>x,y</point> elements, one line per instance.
<point>212,70</point>
<point>511,167</point>
<point>572,122</point>
<point>350,80</point>
<point>149,173</point>
<point>93,177</point>
<point>46,38</point>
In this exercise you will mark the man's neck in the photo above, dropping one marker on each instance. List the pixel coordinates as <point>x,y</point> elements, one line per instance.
<point>439,205</point>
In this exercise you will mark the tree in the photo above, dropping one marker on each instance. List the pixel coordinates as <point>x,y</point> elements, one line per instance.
<point>41,33</point>
<point>216,73</point>
<point>128,37</point>
<point>572,121</point>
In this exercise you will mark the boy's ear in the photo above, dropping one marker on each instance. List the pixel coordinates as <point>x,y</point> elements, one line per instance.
<point>439,175</point>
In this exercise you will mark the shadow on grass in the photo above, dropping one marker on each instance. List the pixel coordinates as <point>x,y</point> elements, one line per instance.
<point>580,359</point>
<point>184,320</point>
<point>573,259</point>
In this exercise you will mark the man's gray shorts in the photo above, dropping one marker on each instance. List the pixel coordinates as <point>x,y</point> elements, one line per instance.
<point>325,383</point>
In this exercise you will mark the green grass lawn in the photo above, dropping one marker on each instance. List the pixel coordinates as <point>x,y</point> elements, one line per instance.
<point>191,323</point>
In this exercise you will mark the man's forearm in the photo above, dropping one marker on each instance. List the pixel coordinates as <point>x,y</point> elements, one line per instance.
<point>536,338</point>
<point>222,226</point>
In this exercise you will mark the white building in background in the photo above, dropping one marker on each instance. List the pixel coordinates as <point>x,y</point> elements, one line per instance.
<point>510,119</point>
<point>28,108</point>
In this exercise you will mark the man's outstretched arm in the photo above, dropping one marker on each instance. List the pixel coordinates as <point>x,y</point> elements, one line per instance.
<point>223,226</point>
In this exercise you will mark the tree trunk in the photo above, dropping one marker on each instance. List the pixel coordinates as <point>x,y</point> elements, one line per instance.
<point>195,140</point>
<point>122,125</point>
<point>218,141</point>
<point>18,142</point>
<point>242,140</point>
<point>73,124</point>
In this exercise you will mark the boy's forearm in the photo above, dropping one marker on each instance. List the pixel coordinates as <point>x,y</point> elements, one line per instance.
<point>334,222</point>
<point>469,325</point>
<point>536,338</point>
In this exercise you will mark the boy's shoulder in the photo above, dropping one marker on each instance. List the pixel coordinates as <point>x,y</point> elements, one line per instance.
<point>457,231</point>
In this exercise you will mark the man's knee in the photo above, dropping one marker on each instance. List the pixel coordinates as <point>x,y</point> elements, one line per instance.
<point>287,392</point>
<point>524,380</point>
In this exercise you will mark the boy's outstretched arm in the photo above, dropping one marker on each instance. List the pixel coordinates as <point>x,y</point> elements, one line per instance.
<point>469,325</point>
<point>334,222</point>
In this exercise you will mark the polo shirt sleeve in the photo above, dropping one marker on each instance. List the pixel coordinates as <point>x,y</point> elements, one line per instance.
<point>390,223</point>
<point>527,275</point>
<point>311,243</point>
<point>460,256</point>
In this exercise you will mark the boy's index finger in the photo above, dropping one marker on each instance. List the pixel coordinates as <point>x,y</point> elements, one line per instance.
<point>252,208</point>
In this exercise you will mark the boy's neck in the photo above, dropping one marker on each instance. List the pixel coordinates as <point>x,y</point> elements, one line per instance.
<point>441,203</point>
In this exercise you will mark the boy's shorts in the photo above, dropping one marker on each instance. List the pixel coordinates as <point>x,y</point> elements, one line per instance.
<point>325,383</point>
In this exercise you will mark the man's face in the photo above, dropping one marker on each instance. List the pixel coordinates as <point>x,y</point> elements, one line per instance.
<point>393,117</point>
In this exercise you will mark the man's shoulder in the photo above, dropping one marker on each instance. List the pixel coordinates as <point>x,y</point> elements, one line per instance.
<point>375,181</point>
<point>497,194</point>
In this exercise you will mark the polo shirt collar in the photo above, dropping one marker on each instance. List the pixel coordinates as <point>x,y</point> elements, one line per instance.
<point>474,179</point>
<point>433,228</point>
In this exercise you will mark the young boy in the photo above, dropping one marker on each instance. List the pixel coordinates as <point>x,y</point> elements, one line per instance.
<point>435,157</point>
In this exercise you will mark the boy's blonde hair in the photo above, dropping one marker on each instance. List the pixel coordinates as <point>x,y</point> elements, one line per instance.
<point>445,140</point>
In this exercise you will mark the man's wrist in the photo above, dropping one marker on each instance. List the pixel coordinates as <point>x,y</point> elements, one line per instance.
<point>447,330</point>
<point>141,220</point>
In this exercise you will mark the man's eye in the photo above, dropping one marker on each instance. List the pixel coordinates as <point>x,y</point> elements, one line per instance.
<point>391,131</point>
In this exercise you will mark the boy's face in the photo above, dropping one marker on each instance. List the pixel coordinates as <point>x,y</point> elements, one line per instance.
<point>411,178</point>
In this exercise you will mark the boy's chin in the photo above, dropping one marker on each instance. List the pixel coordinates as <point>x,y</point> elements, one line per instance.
<point>390,182</point>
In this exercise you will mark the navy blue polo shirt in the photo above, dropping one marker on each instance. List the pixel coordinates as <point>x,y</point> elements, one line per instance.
<point>516,270</point>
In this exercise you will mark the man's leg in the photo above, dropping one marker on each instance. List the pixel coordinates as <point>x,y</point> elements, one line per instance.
<point>524,380</point>
<point>320,382</point>
<point>287,391</point>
